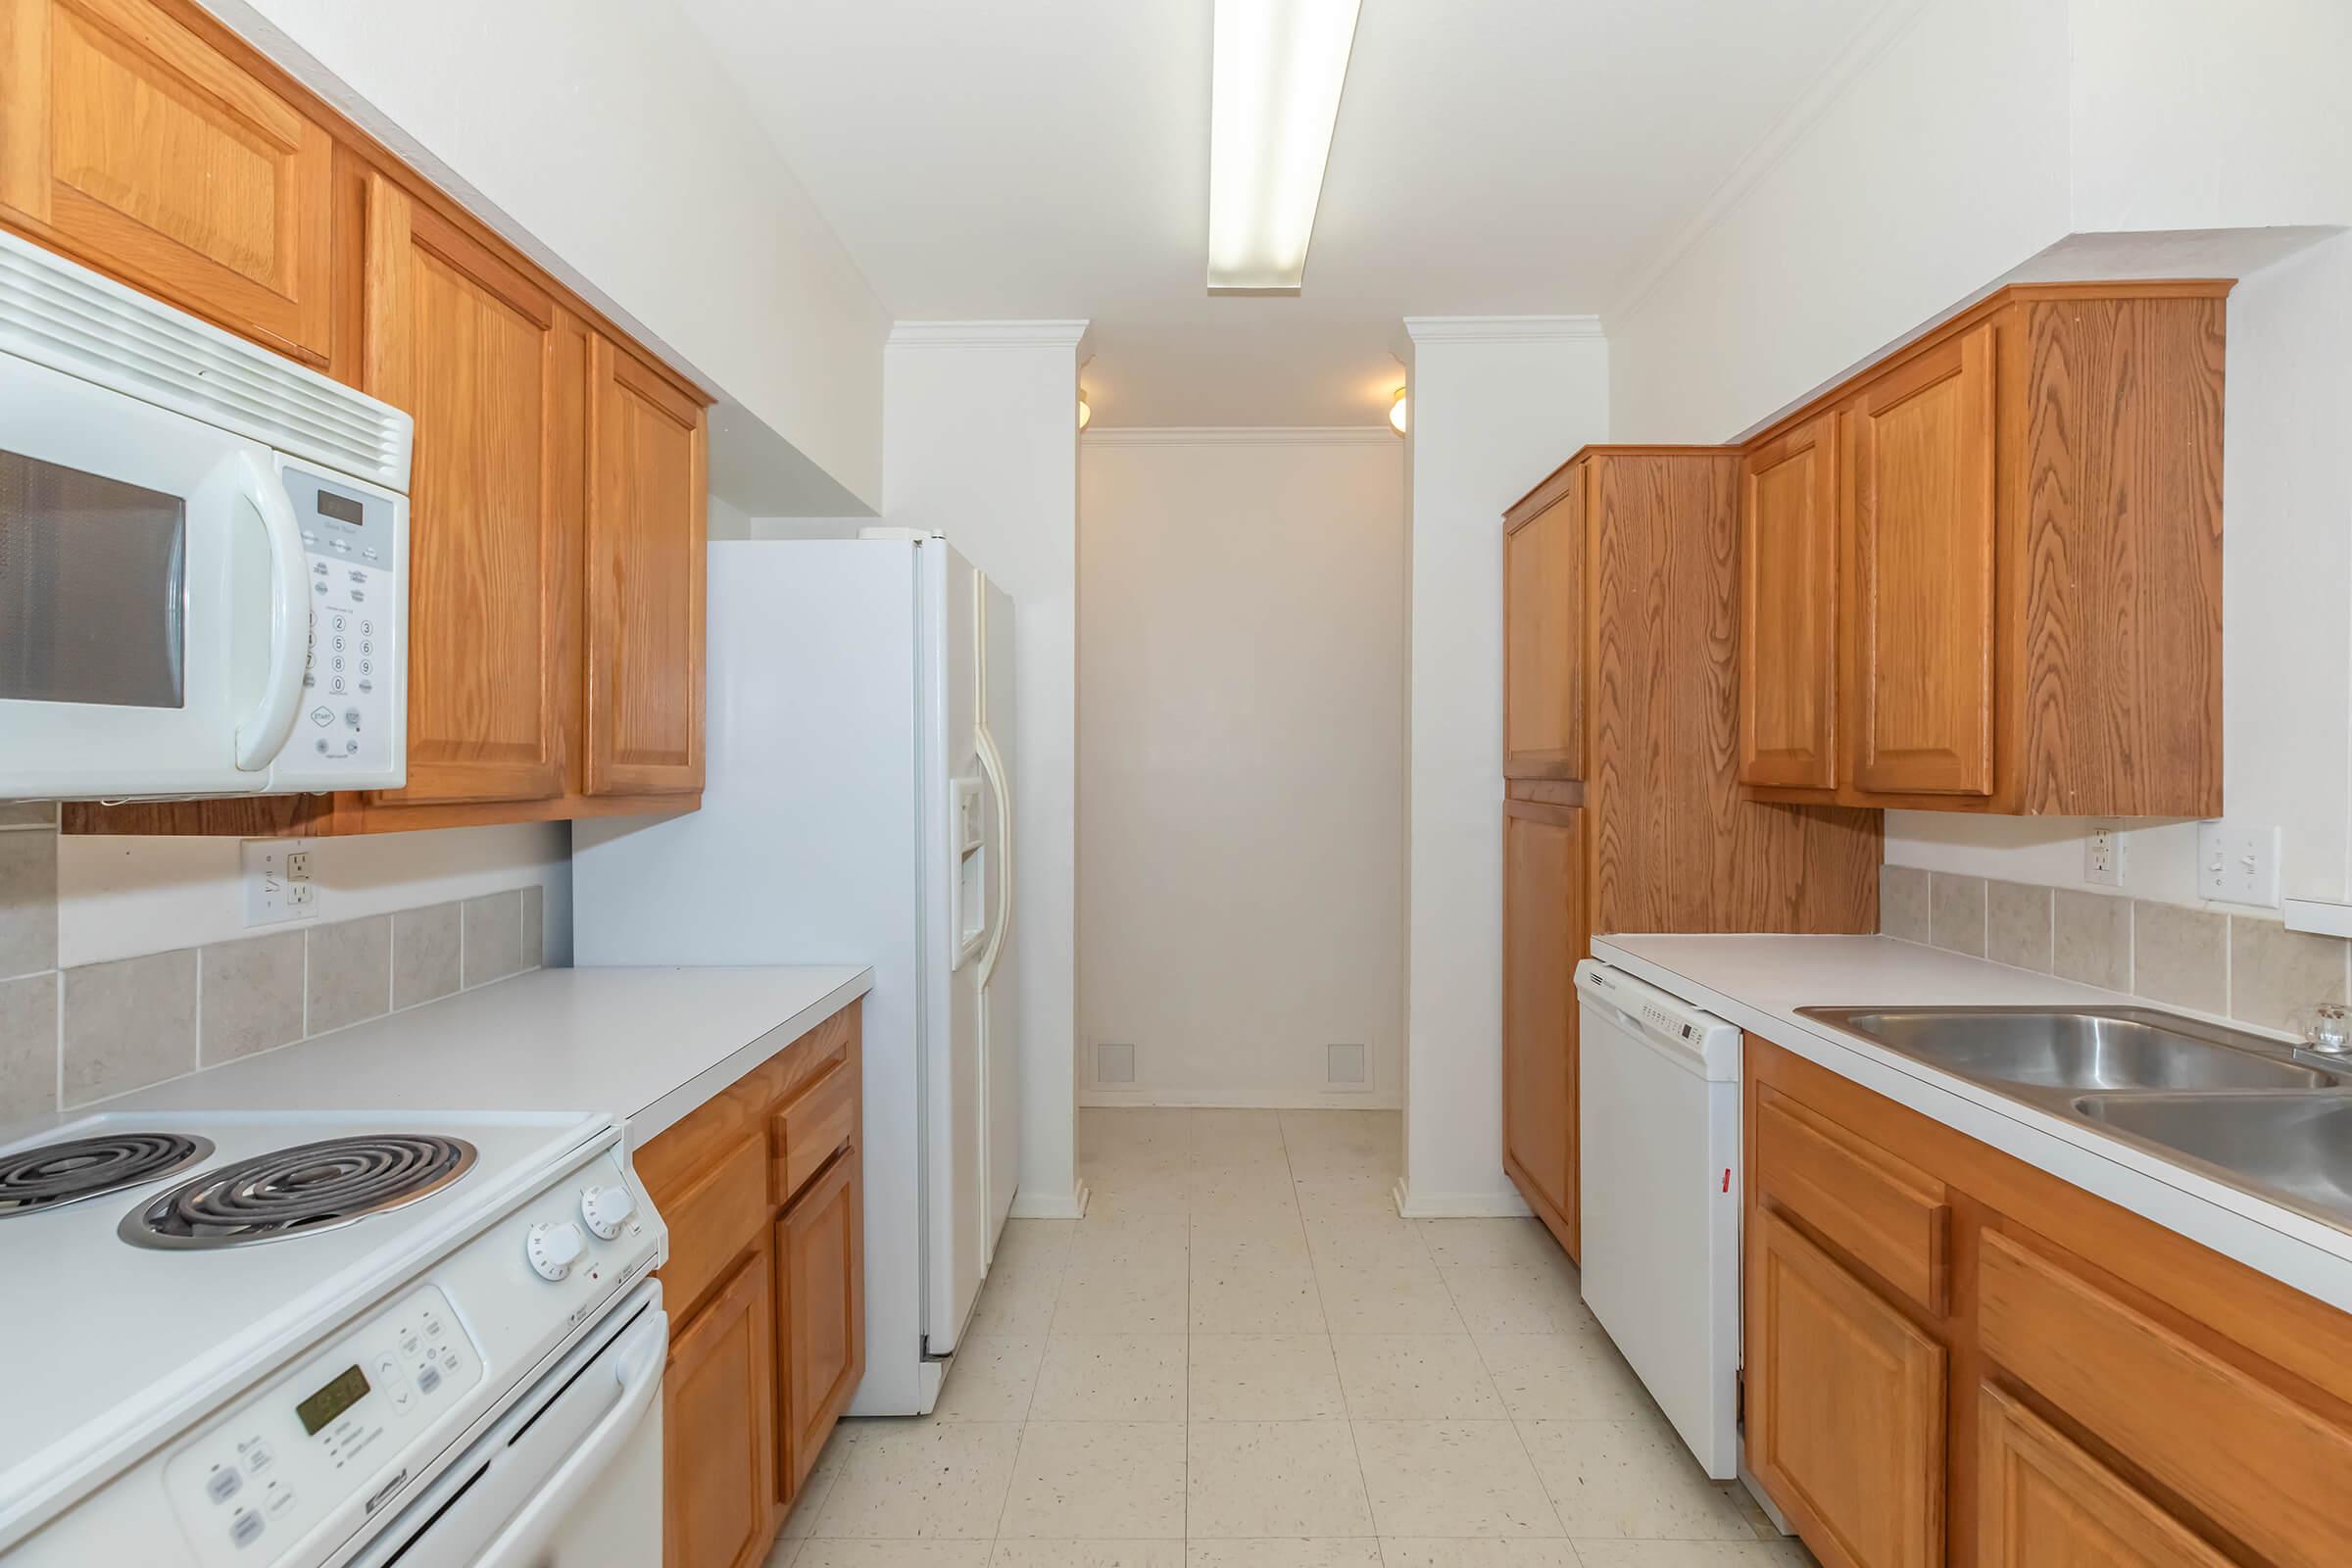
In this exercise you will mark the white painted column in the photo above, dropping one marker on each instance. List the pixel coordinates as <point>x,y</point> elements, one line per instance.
<point>1497,403</point>
<point>980,442</point>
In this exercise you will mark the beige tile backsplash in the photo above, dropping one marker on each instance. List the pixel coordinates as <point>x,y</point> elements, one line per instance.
<point>2244,966</point>
<point>73,1036</point>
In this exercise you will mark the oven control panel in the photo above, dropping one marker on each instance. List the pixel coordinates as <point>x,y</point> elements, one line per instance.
<point>259,1480</point>
<point>354,691</point>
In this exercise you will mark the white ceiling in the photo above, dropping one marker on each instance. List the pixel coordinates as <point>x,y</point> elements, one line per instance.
<point>1050,158</point>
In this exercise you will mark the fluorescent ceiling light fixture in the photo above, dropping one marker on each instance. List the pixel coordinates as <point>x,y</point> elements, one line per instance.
<point>1280,65</point>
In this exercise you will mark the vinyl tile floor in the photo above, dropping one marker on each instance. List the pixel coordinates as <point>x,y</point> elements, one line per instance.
<point>1242,1357</point>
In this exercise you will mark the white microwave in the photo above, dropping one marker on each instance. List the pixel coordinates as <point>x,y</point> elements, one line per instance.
<point>204,555</point>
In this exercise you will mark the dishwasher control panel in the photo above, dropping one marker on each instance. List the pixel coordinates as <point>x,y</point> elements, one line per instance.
<point>340,1426</point>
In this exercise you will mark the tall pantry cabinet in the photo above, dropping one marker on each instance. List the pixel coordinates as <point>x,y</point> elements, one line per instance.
<point>1621,767</point>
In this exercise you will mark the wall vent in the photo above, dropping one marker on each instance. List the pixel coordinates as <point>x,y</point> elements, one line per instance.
<point>1346,1067</point>
<point>1114,1064</point>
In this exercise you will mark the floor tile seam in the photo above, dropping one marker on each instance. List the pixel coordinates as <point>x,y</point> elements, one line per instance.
<point>1519,1436</point>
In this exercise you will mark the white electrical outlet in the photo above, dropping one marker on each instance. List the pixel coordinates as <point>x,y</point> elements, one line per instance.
<point>2238,864</point>
<point>279,885</point>
<point>2105,852</point>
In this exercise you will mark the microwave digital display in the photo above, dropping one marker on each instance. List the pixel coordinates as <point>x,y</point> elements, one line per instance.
<point>341,508</point>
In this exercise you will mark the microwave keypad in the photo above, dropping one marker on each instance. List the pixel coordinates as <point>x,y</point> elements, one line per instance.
<point>347,687</point>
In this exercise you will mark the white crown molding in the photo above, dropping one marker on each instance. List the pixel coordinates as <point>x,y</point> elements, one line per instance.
<point>1872,39</point>
<point>1243,436</point>
<point>988,334</point>
<point>1499,328</point>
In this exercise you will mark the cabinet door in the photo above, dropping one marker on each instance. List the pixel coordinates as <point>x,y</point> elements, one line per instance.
<point>1788,610</point>
<point>821,1326</point>
<point>718,1439</point>
<point>2044,1503</point>
<point>1542,938</point>
<point>493,373</point>
<point>1846,1407</point>
<point>1542,682</point>
<point>132,144</point>
<point>645,582</point>
<point>1920,478</point>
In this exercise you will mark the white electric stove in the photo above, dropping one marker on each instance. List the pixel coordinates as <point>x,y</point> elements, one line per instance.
<point>300,1340</point>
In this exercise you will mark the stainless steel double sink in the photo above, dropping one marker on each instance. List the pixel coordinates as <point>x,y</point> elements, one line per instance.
<point>2258,1115</point>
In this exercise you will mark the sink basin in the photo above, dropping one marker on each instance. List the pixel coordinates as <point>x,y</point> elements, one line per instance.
<point>2299,1147</point>
<point>2078,1049</point>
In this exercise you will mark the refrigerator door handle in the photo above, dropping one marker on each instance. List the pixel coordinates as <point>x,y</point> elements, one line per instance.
<point>992,763</point>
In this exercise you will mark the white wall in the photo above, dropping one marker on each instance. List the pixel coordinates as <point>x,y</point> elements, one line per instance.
<point>607,134</point>
<point>1498,403</point>
<point>119,896</point>
<point>1241,754</point>
<point>1978,139</point>
<point>981,422</point>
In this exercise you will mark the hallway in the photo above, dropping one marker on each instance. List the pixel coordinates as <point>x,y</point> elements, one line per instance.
<point>1242,1348</point>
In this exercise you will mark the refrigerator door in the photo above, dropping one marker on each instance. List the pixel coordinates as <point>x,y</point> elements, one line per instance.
<point>965,868</point>
<point>1000,1016</point>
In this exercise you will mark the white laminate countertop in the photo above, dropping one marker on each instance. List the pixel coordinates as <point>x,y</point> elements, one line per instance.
<point>645,1045</point>
<point>1758,982</point>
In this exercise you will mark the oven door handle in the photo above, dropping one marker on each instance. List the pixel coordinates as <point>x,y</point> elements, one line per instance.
<point>263,736</point>
<point>638,1369</point>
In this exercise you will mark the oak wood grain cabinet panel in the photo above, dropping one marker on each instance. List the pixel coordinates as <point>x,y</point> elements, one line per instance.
<point>137,146</point>
<point>719,1431</point>
<point>645,580</point>
<point>1920,543</point>
<point>1788,610</point>
<point>1543,705</point>
<point>493,371</point>
<point>1885,1212</point>
<point>820,1279</point>
<point>1845,1416</point>
<point>2046,1503</point>
<point>1543,937</point>
<point>2026,592</point>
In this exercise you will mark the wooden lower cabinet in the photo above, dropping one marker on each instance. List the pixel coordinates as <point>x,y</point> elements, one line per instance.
<point>1543,937</point>
<point>718,1426</point>
<point>821,1281</point>
<point>766,1289</point>
<point>2079,1386</point>
<point>1848,1419</point>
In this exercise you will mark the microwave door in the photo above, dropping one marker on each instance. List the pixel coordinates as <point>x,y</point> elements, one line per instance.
<point>152,606</point>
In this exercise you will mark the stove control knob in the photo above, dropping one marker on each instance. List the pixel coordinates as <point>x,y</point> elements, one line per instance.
<point>554,1249</point>
<point>607,1209</point>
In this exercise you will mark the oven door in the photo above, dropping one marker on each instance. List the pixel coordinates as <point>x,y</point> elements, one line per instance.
<point>154,608</point>
<point>569,1477</point>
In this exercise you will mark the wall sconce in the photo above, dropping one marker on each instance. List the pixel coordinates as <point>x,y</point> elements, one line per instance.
<point>1085,414</point>
<point>1396,412</point>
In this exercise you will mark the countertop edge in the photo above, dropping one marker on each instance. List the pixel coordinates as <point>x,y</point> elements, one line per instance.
<point>2290,1247</point>
<point>676,1105</point>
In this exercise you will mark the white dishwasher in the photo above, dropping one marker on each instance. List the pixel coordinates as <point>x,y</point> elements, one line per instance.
<point>1658,1130</point>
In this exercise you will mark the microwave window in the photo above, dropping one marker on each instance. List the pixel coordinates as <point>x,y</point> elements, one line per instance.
<point>341,508</point>
<point>93,580</point>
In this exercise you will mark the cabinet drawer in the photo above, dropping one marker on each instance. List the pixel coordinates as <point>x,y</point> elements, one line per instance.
<point>1889,1215</point>
<point>812,1127</point>
<point>2269,1470</point>
<point>712,1219</point>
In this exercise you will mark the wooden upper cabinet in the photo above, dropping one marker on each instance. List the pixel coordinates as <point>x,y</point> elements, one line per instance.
<point>1845,1418</point>
<point>134,145</point>
<point>1543,937</point>
<point>645,579</point>
<point>1920,573</point>
<point>1787,609</point>
<point>2023,593</point>
<point>494,372</point>
<point>2043,1503</point>
<point>1542,676</point>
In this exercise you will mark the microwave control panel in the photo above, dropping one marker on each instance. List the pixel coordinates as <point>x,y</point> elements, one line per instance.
<point>353,698</point>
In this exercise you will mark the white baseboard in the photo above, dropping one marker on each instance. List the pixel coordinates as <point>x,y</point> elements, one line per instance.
<point>1416,1204</point>
<point>1241,1099</point>
<point>1027,1204</point>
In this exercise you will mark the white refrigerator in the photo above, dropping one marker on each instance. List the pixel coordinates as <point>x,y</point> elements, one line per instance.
<point>857,810</point>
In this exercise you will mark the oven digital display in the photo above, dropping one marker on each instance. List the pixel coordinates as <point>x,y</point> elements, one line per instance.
<point>347,1389</point>
<point>341,508</point>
